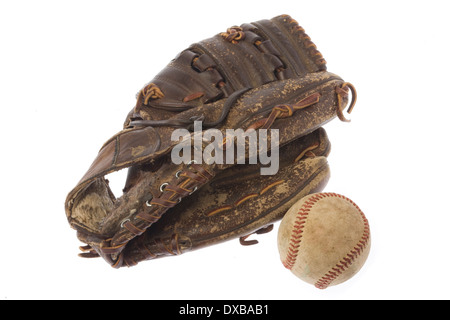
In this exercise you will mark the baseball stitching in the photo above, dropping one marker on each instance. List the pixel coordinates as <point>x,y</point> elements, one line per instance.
<point>296,238</point>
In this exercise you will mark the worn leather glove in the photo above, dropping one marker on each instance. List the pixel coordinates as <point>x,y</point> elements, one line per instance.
<point>264,77</point>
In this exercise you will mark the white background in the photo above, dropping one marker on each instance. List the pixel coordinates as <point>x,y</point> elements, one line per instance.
<point>69,71</point>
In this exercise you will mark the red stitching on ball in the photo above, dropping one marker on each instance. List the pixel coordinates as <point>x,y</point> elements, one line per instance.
<point>342,265</point>
<point>296,237</point>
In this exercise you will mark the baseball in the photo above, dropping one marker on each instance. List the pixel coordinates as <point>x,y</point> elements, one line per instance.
<point>324,239</point>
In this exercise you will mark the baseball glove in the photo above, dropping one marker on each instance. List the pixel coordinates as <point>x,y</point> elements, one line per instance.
<point>259,78</point>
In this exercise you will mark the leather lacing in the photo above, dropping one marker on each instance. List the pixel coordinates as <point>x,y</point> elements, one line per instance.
<point>307,42</point>
<point>149,92</point>
<point>234,34</point>
<point>342,92</point>
<point>279,111</point>
<point>183,184</point>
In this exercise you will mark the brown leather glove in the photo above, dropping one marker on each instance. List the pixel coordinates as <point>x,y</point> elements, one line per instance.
<point>267,75</point>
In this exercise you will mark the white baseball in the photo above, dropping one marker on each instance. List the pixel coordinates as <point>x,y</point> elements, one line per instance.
<point>324,239</point>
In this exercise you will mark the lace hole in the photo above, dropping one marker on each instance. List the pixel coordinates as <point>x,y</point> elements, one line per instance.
<point>190,163</point>
<point>147,203</point>
<point>163,186</point>
<point>123,222</point>
<point>193,190</point>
